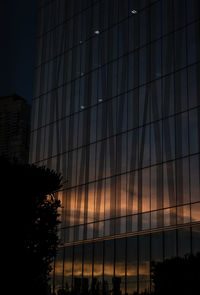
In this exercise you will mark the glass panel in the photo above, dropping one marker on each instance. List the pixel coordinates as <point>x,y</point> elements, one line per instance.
<point>183,214</point>
<point>87,269</point>
<point>59,270</point>
<point>121,195</point>
<point>98,229</point>
<point>132,223</point>
<point>133,70</point>
<point>168,139</point>
<point>89,230</point>
<point>195,239</point>
<point>132,192</point>
<point>90,209</point>
<point>123,36</point>
<point>144,105</point>
<point>180,87</point>
<point>145,184</point>
<point>156,20</point>
<point>97,268</point>
<point>156,69</point>
<point>169,193</point>
<point>144,263</point>
<point>77,269</point>
<point>194,128</point>
<point>99,200</point>
<point>193,85</point>
<point>121,103</point>
<point>181,123</point>
<point>119,280</point>
<point>132,269</point>
<point>156,187</point>
<point>108,266</point>
<point>195,178</point>
<point>132,150</point>
<point>133,114</point>
<point>184,242</point>
<point>179,13</point>
<point>170,244</point>
<point>168,54</point>
<point>121,147</point>
<point>168,96</point>
<point>144,146</point>
<point>145,221</point>
<point>193,42</point>
<point>182,181</point>
<point>195,212</point>
<point>157,219</point>
<point>157,247</point>
<point>180,49</point>
<point>133,28</point>
<point>156,142</point>
<point>169,216</point>
<point>68,268</point>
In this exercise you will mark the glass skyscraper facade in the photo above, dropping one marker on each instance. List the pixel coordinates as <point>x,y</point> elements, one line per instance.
<point>116,110</point>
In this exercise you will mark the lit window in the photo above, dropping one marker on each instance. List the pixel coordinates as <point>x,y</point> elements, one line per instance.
<point>82,107</point>
<point>100,100</point>
<point>97,32</point>
<point>133,11</point>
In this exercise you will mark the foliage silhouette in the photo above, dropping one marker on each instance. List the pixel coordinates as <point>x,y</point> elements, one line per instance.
<point>177,275</point>
<point>33,214</point>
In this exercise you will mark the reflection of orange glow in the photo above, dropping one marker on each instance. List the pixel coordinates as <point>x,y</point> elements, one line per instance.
<point>144,268</point>
<point>132,270</point>
<point>108,269</point>
<point>183,214</point>
<point>195,208</point>
<point>87,270</point>
<point>98,269</point>
<point>59,268</point>
<point>120,269</point>
<point>67,269</point>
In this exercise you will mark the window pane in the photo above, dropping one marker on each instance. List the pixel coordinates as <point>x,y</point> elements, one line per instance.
<point>97,268</point>
<point>131,265</point>
<point>184,242</point>
<point>195,178</point>
<point>119,281</point>
<point>108,265</point>
<point>144,263</point>
<point>87,269</point>
<point>68,268</point>
<point>170,244</point>
<point>77,269</point>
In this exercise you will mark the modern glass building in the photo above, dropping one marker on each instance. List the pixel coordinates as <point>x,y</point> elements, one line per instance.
<point>116,110</point>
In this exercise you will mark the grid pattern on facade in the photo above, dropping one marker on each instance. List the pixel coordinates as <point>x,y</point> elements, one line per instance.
<point>116,110</point>
<point>121,266</point>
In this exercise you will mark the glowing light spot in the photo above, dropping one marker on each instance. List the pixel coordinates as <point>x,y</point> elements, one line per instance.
<point>96,32</point>
<point>133,11</point>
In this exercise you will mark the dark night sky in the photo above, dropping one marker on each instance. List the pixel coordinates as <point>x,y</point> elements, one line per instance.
<point>17,49</point>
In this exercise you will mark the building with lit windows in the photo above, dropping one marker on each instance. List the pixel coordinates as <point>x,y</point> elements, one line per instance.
<point>14,128</point>
<point>116,110</point>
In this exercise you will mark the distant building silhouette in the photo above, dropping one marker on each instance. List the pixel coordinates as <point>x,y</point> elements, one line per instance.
<point>14,128</point>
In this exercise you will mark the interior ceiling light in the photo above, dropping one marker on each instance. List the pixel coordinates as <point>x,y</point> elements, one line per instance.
<point>133,11</point>
<point>97,32</point>
<point>82,107</point>
<point>100,100</point>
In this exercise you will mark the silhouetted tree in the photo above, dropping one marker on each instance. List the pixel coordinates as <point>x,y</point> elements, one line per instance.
<point>33,216</point>
<point>177,276</point>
